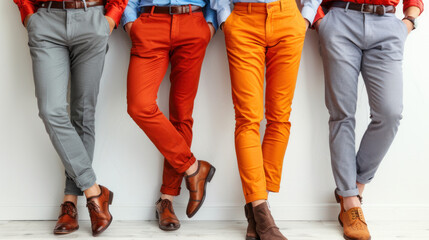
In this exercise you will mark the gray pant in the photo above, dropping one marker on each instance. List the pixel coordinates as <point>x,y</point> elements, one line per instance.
<point>353,42</point>
<point>66,43</point>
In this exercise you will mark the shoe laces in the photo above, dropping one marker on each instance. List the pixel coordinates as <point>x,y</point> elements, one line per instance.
<point>166,204</point>
<point>92,207</point>
<point>69,210</point>
<point>357,214</point>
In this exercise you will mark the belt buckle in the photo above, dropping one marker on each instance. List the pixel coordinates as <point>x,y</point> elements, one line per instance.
<point>169,10</point>
<point>376,11</point>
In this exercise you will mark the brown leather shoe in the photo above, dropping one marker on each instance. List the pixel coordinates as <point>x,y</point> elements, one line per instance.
<point>196,184</point>
<point>251,227</point>
<point>167,219</point>
<point>265,225</point>
<point>67,221</point>
<point>353,222</point>
<point>98,207</point>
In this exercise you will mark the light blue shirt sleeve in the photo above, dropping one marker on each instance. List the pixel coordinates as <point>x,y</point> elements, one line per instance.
<point>223,9</point>
<point>131,12</point>
<point>210,14</point>
<point>309,9</point>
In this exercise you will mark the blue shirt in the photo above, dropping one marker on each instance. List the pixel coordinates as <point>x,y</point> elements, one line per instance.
<point>132,11</point>
<point>223,8</point>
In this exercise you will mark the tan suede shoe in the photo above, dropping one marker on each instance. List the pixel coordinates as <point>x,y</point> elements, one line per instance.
<point>353,222</point>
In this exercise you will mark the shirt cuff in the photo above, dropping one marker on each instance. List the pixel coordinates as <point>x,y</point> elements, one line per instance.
<point>223,14</point>
<point>308,13</point>
<point>115,14</point>
<point>211,18</point>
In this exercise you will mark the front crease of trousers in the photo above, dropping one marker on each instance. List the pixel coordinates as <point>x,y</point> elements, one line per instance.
<point>63,44</point>
<point>258,36</point>
<point>353,42</point>
<point>157,40</point>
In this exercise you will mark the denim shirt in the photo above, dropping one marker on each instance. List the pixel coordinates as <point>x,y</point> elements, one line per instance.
<point>132,11</point>
<point>223,8</point>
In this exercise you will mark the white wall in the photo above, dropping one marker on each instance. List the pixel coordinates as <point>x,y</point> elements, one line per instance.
<point>31,174</point>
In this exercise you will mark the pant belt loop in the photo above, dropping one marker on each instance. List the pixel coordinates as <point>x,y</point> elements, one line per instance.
<point>347,7</point>
<point>49,6</point>
<point>282,5</point>
<point>190,9</point>
<point>151,11</point>
<point>249,8</point>
<point>85,6</point>
<point>64,5</point>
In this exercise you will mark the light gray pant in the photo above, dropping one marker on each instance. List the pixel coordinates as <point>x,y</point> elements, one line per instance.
<point>66,43</point>
<point>353,42</point>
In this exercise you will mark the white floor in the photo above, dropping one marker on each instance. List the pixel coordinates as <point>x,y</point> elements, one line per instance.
<point>211,230</point>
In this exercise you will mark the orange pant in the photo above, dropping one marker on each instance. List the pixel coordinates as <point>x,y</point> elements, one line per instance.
<point>157,40</point>
<point>260,35</point>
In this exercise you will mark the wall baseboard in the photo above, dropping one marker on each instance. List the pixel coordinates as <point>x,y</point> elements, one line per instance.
<point>318,212</point>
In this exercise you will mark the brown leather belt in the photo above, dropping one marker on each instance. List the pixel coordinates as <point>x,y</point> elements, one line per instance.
<point>181,9</point>
<point>365,8</point>
<point>74,4</point>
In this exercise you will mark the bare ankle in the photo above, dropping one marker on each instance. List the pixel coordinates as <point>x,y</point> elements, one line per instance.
<point>258,202</point>
<point>192,169</point>
<point>92,191</point>
<point>70,198</point>
<point>168,197</point>
<point>361,187</point>
<point>351,202</point>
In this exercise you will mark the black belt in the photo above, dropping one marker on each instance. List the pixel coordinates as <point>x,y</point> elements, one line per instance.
<point>365,8</point>
<point>181,9</point>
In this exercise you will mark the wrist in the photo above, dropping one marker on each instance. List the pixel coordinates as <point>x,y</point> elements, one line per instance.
<point>412,20</point>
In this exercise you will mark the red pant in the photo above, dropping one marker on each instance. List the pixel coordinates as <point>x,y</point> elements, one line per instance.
<point>157,40</point>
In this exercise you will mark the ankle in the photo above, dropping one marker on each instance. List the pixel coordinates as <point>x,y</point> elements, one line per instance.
<point>258,202</point>
<point>351,202</point>
<point>168,197</point>
<point>94,190</point>
<point>192,169</point>
<point>70,198</point>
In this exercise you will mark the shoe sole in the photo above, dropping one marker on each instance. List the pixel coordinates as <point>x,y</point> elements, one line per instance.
<point>111,217</point>
<point>65,232</point>
<point>165,228</point>
<point>208,179</point>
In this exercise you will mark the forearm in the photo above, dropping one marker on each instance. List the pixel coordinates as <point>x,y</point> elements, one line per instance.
<point>412,12</point>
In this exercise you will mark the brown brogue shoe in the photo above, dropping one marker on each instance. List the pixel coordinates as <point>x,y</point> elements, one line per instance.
<point>251,233</point>
<point>196,184</point>
<point>353,222</point>
<point>67,221</point>
<point>98,207</point>
<point>266,228</point>
<point>167,219</point>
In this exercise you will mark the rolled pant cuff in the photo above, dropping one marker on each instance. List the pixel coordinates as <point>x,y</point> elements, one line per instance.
<point>186,165</point>
<point>86,180</point>
<point>348,193</point>
<point>256,196</point>
<point>170,191</point>
<point>272,187</point>
<point>363,180</point>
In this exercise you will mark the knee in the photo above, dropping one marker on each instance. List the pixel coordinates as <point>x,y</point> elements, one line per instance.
<point>53,114</point>
<point>388,115</point>
<point>139,110</point>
